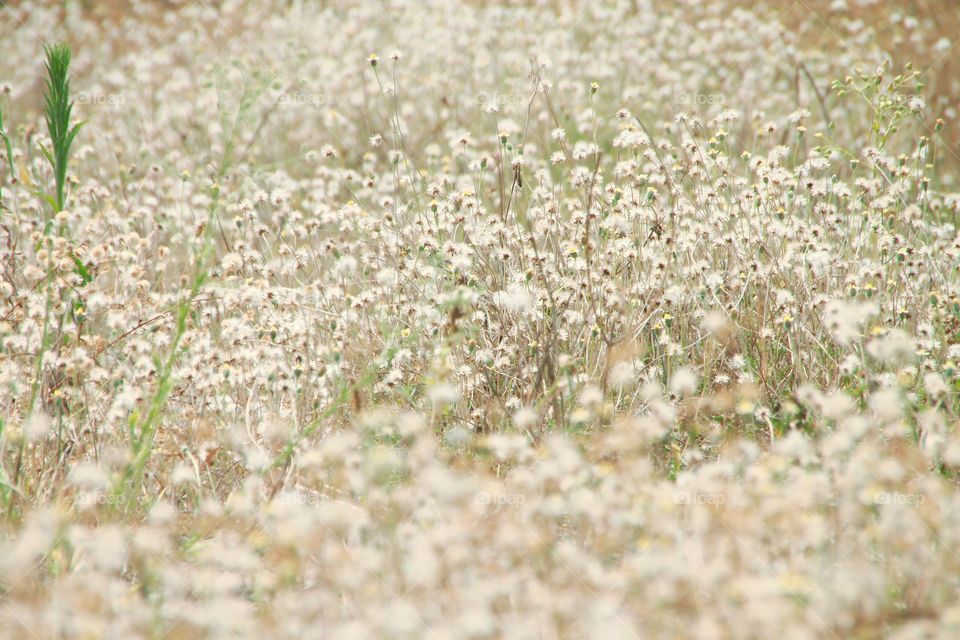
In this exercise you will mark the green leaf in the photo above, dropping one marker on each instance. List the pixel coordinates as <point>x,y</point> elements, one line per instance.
<point>48,199</point>
<point>46,154</point>
<point>82,271</point>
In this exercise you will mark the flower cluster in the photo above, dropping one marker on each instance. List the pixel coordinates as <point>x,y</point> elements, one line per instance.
<point>477,320</point>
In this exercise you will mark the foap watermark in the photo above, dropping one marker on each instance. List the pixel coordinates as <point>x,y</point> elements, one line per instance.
<point>500,499</point>
<point>98,99</point>
<point>486,98</point>
<point>91,499</point>
<point>302,98</point>
<point>697,497</point>
<point>900,499</point>
<point>699,99</point>
<point>323,494</point>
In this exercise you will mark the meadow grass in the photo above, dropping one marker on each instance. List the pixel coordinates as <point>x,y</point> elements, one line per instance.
<point>628,320</point>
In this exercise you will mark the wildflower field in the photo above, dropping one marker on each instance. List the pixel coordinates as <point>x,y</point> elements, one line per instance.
<point>457,319</point>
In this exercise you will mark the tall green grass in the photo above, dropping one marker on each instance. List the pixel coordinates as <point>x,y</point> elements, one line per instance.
<point>9,153</point>
<point>57,109</point>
